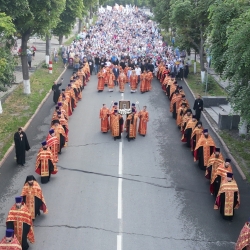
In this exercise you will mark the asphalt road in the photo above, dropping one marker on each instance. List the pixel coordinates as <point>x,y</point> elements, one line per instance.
<point>140,195</point>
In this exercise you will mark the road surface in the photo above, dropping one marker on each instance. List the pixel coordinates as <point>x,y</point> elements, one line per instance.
<point>139,195</point>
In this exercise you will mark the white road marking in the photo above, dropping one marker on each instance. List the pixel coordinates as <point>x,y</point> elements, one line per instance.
<point>119,242</point>
<point>119,198</point>
<point>119,215</point>
<point>120,159</point>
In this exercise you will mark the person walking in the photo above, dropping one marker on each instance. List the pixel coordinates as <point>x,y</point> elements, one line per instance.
<point>21,145</point>
<point>29,58</point>
<point>198,107</point>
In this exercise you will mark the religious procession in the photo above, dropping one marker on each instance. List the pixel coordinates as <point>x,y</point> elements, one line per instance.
<point>125,50</point>
<point>31,202</point>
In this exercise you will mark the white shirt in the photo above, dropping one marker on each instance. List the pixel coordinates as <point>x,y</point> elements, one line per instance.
<point>138,71</point>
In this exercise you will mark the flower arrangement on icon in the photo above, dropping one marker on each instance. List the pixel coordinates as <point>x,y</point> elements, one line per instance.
<point>124,111</point>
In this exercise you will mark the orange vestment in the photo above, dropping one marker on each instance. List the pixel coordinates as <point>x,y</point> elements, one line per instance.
<point>20,216</point>
<point>144,118</point>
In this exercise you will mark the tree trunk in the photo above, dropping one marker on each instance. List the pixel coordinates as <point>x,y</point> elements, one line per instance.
<point>60,39</point>
<point>24,61</point>
<point>201,51</point>
<point>80,26</point>
<point>47,50</point>
<point>90,12</point>
<point>242,127</point>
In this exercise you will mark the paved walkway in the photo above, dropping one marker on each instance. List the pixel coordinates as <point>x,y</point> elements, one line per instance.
<point>219,80</point>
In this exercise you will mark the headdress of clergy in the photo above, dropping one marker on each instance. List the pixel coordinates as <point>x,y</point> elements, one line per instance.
<point>9,233</point>
<point>205,131</point>
<point>51,131</point>
<point>19,199</point>
<point>217,149</point>
<point>228,160</point>
<point>30,178</point>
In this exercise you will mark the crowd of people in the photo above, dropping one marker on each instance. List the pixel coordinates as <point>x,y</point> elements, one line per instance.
<point>123,47</point>
<point>31,202</point>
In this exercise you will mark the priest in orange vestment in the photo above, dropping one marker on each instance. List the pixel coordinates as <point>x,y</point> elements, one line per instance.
<point>33,197</point>
<point>133,82</point>
<point>143,84</point>
<point>19,219</point>
<point>122,79</point>
<point>45,165</point>
<point>117,125</point>
<point>228,198</point>
<point>203,150</point>
<point>60,134</point>
<point>53,144</point>
<point>100,76</point>
<point>144,118</point>
<point>215,160</point>
<point>196,135</point>
<point>10,241</point>
<point>243,242</point>
<point>220,173</point>
<point>131,125</point>
<point>104,116</point>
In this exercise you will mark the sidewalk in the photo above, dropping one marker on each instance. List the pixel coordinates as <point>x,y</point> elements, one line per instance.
<point>221,82</point>
<point>38,59</point>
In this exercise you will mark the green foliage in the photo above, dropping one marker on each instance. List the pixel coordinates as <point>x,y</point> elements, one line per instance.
<point>73,9</point>
<point>7,28</point>
<point>229,38</point>
<point>220,15</point>
<point>161,12</point>
<point>32,17</point>
<point>7,61</point>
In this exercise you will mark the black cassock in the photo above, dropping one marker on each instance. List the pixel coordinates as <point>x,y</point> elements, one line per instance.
<point>201,157</point>
<point>21,145</point>
<point>198,107</point>
<point>26,229</point>
<point>187,134</point>
<point>57,92</point>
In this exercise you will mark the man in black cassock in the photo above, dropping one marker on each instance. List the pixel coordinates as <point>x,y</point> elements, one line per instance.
<point>21,145</point>
<point>198,107</point>
<point>56,91</point>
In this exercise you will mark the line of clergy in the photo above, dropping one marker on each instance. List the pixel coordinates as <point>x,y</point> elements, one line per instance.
<point>114,75</point>
<point>217,169</point>
<point>113,121</point>
<point>19,222</point>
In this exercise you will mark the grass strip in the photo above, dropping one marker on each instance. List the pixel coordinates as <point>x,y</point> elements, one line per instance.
<point>194,82</point>
<point>239,147</point>
<point>70,40</point>
<point>18,107</point>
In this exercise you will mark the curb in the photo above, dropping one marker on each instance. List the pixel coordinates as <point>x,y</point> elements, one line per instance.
<point>220,139</point>
<point>30,120</point>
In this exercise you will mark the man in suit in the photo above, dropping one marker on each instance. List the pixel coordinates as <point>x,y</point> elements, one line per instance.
<point>116,73</point>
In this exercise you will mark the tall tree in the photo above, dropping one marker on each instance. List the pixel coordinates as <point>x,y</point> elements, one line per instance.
<point>73,9</point>
<point>190,18</point>
<point>221,14</point>
<point>7,60</point>
<point>30,17</point>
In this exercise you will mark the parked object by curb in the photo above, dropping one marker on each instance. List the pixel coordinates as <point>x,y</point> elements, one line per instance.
<point>220,139</point>
<point>30,120</point>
